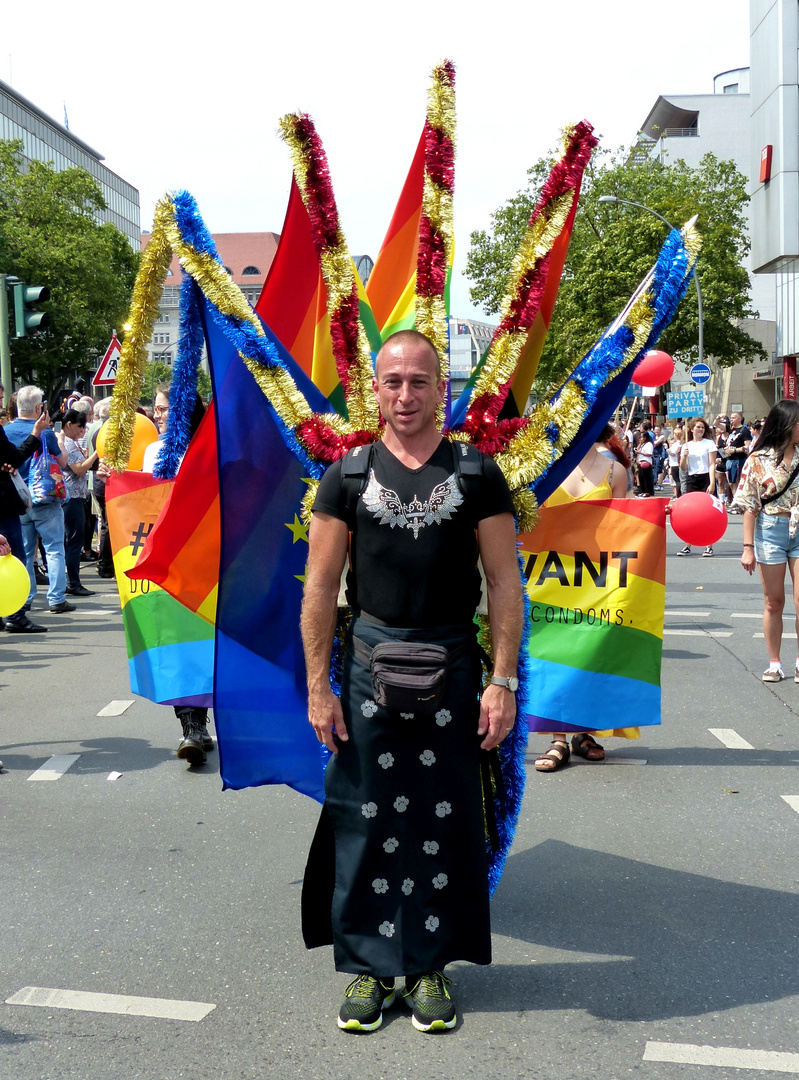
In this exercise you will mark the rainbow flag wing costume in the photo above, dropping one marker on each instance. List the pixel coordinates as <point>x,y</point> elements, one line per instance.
<point>276,432</point>
<point>595,576</point>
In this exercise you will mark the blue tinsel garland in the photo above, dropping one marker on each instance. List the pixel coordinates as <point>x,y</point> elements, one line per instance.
<point>183,388</point>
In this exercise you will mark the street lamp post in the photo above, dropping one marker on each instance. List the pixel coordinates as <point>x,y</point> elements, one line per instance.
<point>654,213</point>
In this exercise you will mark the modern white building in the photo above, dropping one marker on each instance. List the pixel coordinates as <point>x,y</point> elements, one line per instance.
<point>774,174</point>
<point>686,127</point>
<point>468,340</point>
<point>44,139</point>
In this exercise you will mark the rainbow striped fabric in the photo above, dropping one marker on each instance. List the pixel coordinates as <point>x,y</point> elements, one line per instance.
<point>170,648</point>
<point>595,575</point>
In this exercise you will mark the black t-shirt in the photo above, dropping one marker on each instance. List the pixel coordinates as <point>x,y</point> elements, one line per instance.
<point>414,545</point>
<point>736,442</point>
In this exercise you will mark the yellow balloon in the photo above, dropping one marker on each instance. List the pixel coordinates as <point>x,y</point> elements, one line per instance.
<point>144,433</point>
<point>14,585</point>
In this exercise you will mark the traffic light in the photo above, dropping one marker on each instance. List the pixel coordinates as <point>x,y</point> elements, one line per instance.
<point>27,320</point>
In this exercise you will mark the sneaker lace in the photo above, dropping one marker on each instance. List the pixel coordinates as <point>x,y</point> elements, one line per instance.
<point>362,987</point>
<point>433,984</point>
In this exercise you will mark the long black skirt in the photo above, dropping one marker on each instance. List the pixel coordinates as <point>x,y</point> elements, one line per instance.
<point>397,873</point>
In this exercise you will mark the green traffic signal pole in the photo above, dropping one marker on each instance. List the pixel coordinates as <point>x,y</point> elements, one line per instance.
<point>5,347</point>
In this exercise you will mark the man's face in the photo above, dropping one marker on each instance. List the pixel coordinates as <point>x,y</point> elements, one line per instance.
<point>736,419</point>
<point>408,388</point>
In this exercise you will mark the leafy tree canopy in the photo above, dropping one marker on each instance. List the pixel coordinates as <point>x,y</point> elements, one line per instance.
<point>613,246</point>
<point>49,235</point>
<point>157,373</point>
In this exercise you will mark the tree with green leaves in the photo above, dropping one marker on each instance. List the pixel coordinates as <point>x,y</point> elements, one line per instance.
<point>613,246</point>
<point>157,373</point>
<point>49,235</point>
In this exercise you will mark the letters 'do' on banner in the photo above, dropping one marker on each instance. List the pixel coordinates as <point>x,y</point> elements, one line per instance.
<point>595,575</point>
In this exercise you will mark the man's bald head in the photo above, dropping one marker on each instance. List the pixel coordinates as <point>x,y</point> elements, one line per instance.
<point>410,338</point>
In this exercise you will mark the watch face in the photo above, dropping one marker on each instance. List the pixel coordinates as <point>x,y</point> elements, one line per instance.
<point>513,684</point>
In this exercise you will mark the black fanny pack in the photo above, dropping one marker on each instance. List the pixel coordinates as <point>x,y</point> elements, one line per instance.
<point>408,676</point>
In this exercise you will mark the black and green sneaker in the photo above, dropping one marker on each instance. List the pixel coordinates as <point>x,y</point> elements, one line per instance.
<point>429,998</point>
<point>364,1001</point>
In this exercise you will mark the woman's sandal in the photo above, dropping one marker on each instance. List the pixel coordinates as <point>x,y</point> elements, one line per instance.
<point>554,758</point>
<point>583,744</point>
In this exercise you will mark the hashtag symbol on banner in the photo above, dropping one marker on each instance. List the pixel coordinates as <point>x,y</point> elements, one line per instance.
<point>139,536</point>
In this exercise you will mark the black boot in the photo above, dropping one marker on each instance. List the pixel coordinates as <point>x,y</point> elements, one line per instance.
<point>200,716</point>
<point>192,748</point>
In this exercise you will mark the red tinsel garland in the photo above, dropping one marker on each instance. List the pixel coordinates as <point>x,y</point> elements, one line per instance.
<point>431,266</point>
<point>489,435</point>
<point>322,211</point>
<point>325,444</point>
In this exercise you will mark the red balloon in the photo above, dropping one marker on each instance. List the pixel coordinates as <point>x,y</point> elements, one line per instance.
<point>699,518</point>
<point>655,369</point>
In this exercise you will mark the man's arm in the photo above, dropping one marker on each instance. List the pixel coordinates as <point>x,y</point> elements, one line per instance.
<point>15,456</point>
<point>328,540</point>
<point>496,537</point>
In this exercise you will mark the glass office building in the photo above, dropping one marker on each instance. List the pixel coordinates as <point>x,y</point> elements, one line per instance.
<point>43,139</point>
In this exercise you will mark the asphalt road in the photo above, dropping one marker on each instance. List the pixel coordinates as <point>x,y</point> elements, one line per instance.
<point>647,910</point>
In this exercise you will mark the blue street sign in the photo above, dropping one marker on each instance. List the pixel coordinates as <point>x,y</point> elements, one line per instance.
<point>700,373</point>
<point>686,403</point>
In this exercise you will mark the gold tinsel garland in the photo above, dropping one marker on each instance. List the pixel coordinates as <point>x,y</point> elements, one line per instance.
<point>144,309</point>
<point>217,285</point>
<point>437,208</point>
<point>507,346</point>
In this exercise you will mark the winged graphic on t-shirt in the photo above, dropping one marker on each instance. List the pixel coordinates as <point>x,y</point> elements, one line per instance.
<point>389,509</point>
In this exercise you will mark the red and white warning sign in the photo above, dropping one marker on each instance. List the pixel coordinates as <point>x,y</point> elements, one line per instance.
<point>107,371</point>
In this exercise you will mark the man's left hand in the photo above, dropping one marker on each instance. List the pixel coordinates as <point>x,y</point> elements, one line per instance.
<point>497,715</point>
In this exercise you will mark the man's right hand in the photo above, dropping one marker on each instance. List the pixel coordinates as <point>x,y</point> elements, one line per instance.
<point>42,423</point>
<point>325,716</point>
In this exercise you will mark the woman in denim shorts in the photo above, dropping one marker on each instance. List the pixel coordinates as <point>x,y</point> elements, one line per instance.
<point>768,497</point>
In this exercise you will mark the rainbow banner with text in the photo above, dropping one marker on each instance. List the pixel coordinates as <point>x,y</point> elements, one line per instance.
<point>595,574</point>
<point>170,648</point>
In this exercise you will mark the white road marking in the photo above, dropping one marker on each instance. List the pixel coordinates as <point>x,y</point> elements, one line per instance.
<point>792,801</point>
<point>697,614</point>
<point>698,633</point>
<point>115,708</point>
<point>753,615</point>
<point>729,1057</point>
<point>730,738</point>
<point>55,767</point>
<point>93,614</point>
<point>162,1008</point>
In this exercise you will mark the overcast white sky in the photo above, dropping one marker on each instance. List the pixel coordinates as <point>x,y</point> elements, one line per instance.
<point>189,96</point>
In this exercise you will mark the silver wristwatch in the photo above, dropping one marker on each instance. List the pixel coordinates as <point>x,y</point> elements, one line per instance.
<point>510,682</point>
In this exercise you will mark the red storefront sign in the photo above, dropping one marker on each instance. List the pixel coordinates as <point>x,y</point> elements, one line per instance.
<point>789,377</point>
